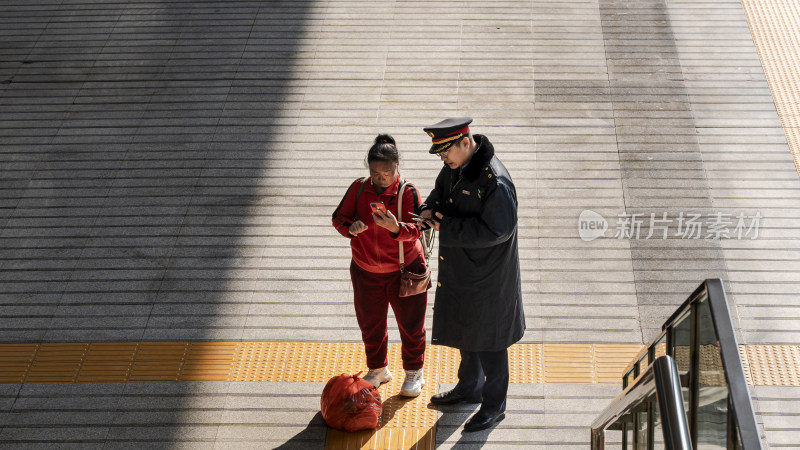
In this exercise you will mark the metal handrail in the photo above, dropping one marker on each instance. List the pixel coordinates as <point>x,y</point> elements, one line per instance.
<point>670,404</point>
<point>710,294</point>
<point>713,291</point>
<point>741,404</point>
<point>661,377</point>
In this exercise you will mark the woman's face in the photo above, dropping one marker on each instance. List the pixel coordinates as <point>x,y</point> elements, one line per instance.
<point>382,173</point>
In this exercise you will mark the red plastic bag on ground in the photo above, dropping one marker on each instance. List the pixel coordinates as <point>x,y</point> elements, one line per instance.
<point>351,404</point>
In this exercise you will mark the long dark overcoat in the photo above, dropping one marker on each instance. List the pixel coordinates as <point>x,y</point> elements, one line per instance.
<point>478,304</point>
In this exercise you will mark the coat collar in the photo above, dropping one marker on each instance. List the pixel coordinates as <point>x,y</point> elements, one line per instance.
<point>391,190</point>
<point>481,157</point>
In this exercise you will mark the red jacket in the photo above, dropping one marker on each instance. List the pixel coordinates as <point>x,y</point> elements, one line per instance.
<point>376,249</point>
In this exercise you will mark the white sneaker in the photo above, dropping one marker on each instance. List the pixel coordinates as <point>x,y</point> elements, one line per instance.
<point>412,386</point>
<point>378,376</point>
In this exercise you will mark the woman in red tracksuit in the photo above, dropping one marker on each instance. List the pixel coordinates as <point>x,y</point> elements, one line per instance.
<point>375,268</point>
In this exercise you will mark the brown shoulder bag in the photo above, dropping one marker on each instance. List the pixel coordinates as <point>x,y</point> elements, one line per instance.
<point>410,283</point>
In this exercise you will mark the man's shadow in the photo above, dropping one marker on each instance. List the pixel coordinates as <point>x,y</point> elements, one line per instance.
<point>451,420</point>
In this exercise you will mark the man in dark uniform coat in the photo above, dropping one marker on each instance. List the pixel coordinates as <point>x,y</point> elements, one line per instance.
<point>478,304</point>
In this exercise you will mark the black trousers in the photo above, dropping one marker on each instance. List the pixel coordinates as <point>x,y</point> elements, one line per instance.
<point>485,375</point>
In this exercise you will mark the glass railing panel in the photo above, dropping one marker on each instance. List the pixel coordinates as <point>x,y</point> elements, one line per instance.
<point>682,353</point>
<point>658,431</point>
<point>613,440</point>
<point>712,404</point>
<point>660,347</point>
<point>627,433</point>
<point>641,364</point>
<point>641,430</point>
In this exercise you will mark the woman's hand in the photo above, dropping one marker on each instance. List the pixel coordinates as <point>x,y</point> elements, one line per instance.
<point>387,220</point>
<point>357,227</point>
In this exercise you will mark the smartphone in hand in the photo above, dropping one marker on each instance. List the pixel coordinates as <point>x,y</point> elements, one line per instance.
<point>419,218</point>
<point>377,206</point>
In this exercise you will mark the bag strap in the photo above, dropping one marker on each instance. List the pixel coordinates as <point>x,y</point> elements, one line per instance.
<point>400,193</point>
<point>400,219</point>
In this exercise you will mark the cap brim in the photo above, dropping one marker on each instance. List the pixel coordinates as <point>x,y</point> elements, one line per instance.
<point>439,148</point>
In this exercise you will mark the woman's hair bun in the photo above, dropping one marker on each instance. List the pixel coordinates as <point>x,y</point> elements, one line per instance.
<point>384,149</point>
<point>384,139</point>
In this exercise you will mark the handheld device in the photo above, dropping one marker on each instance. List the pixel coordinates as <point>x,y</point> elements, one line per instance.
<point>377,206</point>
<point>418,218</point>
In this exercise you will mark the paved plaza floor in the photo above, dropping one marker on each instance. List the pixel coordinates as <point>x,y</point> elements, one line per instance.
<point>168,172</point>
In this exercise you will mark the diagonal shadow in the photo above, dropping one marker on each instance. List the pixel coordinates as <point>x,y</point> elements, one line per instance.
<point>451,420</point>
<point>390,407</point>
<point>138,138</point>
<point>306,438</point>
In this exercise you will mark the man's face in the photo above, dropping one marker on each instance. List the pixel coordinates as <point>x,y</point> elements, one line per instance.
<point>457,154</point>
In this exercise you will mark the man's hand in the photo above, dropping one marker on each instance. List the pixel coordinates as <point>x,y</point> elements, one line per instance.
<point>430,222</point>
<point>357,227</point>
<point>387,220</point>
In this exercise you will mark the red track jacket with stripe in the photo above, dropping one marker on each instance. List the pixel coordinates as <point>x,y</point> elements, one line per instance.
<point>376,249</point>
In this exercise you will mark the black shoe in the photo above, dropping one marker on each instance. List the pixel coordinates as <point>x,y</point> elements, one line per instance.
<point>452,397</point>
<point>483,420</point>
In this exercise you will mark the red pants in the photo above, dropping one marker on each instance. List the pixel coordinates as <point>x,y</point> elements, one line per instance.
<point>373,293</point>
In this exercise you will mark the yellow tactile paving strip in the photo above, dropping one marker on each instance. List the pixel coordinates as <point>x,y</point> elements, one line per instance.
<point>119,362</point>
<point>775,27</point>
<point>406,423</point>
<point>772,365</point>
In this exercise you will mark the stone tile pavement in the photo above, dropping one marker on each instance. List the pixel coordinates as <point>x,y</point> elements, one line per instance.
<point>168,170</point>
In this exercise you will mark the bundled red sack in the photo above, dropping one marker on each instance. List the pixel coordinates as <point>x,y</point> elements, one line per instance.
<point>351,404</point>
